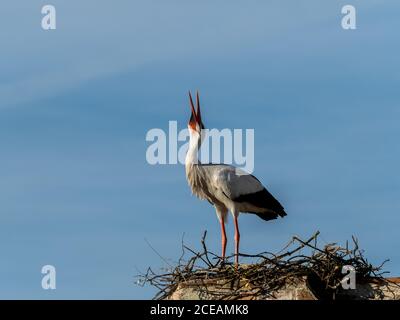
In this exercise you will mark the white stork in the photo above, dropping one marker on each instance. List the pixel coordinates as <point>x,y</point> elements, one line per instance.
<point>224,186</point>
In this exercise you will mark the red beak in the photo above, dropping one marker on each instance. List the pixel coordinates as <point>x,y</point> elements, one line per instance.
<point>196,116</point>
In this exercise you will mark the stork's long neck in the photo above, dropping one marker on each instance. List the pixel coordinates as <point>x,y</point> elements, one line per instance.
<point>192,153</point>
<point>194,173</point>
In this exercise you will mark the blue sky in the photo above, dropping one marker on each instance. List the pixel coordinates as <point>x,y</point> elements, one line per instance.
<point>76,104</point>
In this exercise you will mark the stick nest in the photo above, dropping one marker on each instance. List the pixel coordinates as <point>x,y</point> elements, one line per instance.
<point>265,273</point>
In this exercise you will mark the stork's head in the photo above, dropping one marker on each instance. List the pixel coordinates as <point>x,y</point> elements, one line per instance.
<point>195,124</point>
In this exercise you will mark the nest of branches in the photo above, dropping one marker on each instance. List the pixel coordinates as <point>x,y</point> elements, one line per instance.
<point>261,275</point>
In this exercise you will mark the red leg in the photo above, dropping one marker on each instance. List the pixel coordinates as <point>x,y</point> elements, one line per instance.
<point>237,239</point>
<point>223,238</point>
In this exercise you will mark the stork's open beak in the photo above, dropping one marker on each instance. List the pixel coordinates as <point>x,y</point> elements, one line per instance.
<point>195,119</point>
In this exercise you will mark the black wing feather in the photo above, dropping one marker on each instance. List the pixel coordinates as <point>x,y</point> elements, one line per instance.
<point>263,200</point>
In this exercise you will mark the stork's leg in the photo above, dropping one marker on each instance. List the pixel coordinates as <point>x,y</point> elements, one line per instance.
<point>223,237</point>
<point>237,239</point>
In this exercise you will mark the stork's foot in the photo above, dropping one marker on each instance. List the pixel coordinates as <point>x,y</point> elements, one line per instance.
<point>236,261</point>
<point>222,263</point>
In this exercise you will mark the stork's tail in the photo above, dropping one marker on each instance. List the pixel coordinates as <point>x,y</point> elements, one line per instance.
<point>271,215</point>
